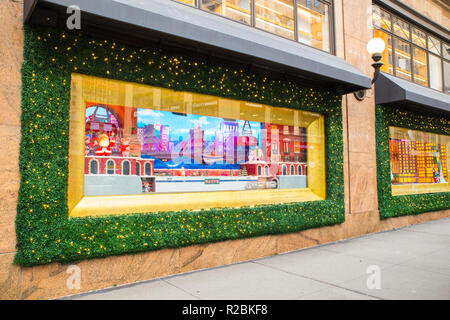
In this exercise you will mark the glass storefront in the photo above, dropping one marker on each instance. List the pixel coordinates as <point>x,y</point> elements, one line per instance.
<point>141,140</point>
<point>419,161</point>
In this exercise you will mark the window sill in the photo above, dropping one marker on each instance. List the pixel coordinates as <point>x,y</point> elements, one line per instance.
<point>127,204</point>
<point>411,188</point>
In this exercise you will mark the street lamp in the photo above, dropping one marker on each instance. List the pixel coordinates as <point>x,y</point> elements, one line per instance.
<point>375,48</point>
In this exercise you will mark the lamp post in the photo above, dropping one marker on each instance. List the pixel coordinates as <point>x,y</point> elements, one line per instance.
<point>375,48</point>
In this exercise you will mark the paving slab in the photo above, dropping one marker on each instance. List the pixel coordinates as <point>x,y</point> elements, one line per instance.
<point>438,227</point>
<point>412,263</point>
<point>405,283</point>
<point>152,290</point>
<point>320,264</point>
<point>335,293</point>
<point>391,248</point>
<point>246,281</point>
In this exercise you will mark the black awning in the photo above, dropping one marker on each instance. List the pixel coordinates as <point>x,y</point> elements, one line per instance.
<point>398,92</point>
<point>166,19</point>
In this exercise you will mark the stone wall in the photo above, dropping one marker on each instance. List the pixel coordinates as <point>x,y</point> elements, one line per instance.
<point>11,45</point>
<point>353,30</point>
<point>436,10</point>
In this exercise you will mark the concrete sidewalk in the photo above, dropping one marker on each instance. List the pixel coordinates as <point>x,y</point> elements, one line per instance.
<point>413,262</point>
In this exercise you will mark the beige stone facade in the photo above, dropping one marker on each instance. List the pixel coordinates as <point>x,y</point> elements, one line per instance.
<point>353,24</point>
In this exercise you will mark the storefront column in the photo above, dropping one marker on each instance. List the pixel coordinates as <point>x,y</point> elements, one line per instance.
<point>11,44</point>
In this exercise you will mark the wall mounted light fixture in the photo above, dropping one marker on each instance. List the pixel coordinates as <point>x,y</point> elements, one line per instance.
<point>375,48</point>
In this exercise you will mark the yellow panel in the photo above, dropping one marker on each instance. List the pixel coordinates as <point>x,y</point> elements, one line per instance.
<point>416,188</point>
<point>104,91</point>
<point>101,205</point>
<point>316,154</point>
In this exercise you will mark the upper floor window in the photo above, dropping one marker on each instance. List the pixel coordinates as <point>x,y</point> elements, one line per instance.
<point>305,21</point>
<point>411,53</point>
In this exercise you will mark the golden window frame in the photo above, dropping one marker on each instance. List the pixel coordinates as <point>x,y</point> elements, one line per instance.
<point>86,89</point>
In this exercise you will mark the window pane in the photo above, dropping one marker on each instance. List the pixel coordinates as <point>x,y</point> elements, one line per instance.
<point>446,52</point>
<point>387,54</point>
<point>434,45</point>
<point>419,161</point>
<point>381,18</point>
<point>402,59</point>
<point>313,24</point>
<point>138,169</point>
<point>447,77</point>
<point>235,9</point>
<point>148,169</point>
<point>125,168</point>
<point>94,167</point>
<point>276,16</point>
<point>191,2</point>
<point>401,28</point>
<point>435,72</point>
<point>420,67</point>
<point>419,37</point>
<point>186,142</point>
<point>110,167</point>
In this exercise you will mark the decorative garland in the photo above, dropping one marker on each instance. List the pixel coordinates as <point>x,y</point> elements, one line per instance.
<point>394,206</point>
<point>45,233</point>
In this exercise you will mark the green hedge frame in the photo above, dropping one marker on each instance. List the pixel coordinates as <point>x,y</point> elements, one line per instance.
<point>46,234</point>
<point>394,206</point>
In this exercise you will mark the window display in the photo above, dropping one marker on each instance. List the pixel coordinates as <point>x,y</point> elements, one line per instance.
<point>183,152</point>
<point>419,159</point>
<point>142,140</point>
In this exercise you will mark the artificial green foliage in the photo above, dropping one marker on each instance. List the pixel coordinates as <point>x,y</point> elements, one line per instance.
<point>45,233</point>
<point>393,206</point>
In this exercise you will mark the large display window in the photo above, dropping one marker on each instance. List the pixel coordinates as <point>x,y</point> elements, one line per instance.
<point>139,148</point>
<point>419,161</point>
